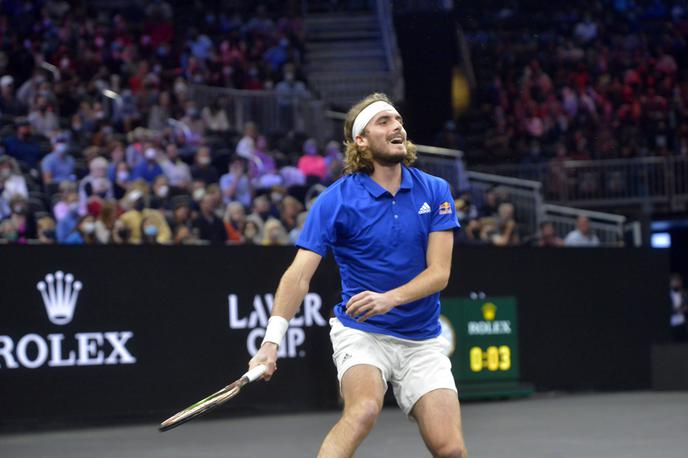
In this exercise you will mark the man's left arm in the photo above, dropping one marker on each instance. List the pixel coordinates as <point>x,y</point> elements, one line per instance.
<point>430,281</point>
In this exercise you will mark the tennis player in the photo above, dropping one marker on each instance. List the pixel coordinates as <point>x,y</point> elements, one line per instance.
<point>390,228</point>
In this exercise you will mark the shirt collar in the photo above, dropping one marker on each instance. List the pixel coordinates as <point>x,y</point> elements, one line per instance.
<point>376,190</point>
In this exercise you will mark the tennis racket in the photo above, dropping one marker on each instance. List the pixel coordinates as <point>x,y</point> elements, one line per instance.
<point>214,400</point>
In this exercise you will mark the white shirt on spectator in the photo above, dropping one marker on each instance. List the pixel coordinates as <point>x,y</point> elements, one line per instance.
<point>577,238</point>
<point>15,185</point>
<point>246,147</point>
<point>178,173</point>
<point>292,176</point>
<point>677,317</point>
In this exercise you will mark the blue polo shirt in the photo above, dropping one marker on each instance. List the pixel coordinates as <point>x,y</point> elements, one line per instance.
<point>379,242</point>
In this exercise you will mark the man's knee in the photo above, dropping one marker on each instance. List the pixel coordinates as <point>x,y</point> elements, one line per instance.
<point>363,413</point>
<point>450,450</point>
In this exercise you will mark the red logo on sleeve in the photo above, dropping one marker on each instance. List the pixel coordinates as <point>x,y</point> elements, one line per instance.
<point>445,209</point>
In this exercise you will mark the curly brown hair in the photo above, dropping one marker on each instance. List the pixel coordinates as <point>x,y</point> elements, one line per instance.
<point>361,159</point>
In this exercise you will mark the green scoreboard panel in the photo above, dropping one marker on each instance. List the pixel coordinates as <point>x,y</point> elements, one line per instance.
<point>485,357</point>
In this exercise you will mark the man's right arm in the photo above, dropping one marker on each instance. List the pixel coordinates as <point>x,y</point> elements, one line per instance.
<point>292,288</point>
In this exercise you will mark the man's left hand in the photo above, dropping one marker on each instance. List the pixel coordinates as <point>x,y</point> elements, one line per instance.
<point>367,304</point>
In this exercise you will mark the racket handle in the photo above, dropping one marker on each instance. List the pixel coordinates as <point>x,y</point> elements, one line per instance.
<point>255,373</point>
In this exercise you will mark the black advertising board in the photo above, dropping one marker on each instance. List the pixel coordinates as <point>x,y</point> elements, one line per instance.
<point>153,329</point>
<point>121,331</point>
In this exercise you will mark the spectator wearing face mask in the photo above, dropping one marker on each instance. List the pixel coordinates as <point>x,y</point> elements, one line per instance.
<point>95,183</point>
<point>150,231</point>
<point>148,169</point>
<point>203,170</point>
<point>122,180</point>
<point>311,163</point>
<point>84,233</point>
<point>132,219</point>
<point>12,182</point>
<point>235,184</point>
<point>160,198</point>
<point>58,165</point>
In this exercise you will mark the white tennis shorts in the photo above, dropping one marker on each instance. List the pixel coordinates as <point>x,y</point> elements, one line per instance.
<point>413,367</point>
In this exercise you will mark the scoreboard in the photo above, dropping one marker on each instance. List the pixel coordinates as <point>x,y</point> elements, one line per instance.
<point>484,352</point>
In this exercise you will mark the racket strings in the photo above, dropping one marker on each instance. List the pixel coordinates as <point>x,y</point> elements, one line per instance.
<point>206,404</point>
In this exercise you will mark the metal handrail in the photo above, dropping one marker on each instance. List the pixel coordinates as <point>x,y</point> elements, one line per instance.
<point>570,211</point>
<point>439,151</point>
<point>606,182</point>
<point>510,181</point>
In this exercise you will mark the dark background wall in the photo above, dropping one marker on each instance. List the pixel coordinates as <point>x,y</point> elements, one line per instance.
<point>587,320</point>
<point>427,42</point>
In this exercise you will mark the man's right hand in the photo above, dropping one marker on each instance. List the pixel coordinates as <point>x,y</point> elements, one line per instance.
<point>267,355</point>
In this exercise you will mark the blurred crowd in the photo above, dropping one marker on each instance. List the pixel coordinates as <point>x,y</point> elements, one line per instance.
<point>102,142</point>
<point>595,79</point>
<point>490,218</point>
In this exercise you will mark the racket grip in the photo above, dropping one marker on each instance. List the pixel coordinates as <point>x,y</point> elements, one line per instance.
<point>255,373</point>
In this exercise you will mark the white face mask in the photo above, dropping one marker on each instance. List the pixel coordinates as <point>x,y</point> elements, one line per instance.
<point>122,175</point>
<point>89,227</point>
<point>198,194</point>
<point>150,153</point>
<point>163,191</point>
<point>60,148</point>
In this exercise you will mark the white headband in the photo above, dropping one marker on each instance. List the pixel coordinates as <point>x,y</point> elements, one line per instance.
<point>367,114</point>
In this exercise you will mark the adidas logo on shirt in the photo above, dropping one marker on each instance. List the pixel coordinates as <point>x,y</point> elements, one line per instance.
<point>425,208</point>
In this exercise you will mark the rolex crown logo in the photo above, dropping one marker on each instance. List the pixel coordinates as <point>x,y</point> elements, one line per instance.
<point>59,293</point>
<point>489,311</point>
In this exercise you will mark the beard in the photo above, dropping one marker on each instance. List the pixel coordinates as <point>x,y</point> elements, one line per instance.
<point>386,158</point>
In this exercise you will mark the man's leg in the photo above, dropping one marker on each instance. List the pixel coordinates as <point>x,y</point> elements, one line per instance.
<point>363,392</point>
<point>439,420</point>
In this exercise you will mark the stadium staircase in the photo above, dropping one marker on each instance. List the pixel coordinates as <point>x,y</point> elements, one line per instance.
<point>349,55</point>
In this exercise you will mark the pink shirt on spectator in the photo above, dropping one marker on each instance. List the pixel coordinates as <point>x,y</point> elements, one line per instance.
<point>313,165</point>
